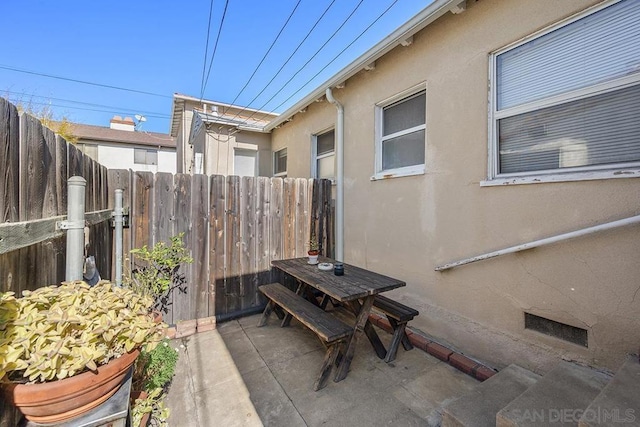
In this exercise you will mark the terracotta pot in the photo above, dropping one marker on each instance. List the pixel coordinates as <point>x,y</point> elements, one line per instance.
<point>141,395</point>
<point>62,400</point>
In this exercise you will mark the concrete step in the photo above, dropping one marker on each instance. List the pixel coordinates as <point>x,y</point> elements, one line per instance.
<point>479,408</point>
<point>558,399</point>
<point>619,401</point>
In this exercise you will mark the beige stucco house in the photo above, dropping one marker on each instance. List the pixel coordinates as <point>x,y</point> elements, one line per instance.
<point>217,138</point>
<point>483,125</point>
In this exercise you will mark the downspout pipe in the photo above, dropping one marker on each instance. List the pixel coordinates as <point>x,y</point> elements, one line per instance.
<point>339,256</point>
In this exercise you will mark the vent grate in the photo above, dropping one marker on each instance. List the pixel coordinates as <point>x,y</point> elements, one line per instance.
<point>555,329</point>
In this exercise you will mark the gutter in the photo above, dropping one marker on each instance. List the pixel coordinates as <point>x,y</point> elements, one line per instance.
<point>339,175</point>
<point>428,15</point>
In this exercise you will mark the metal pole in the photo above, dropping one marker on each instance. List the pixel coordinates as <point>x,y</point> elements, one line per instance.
<point>339,256</point>
<point>118,213</point>
<point>75,227</point>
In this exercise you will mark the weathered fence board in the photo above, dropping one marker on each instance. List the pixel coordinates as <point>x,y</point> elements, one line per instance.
<point>217,204</point>
<point>120,179</point>
<point>184,302</point>
<point>164,218</point>
<point>10,162</point>
<point>199,242</point>
<point>233,292</point>
<point>141,213</point>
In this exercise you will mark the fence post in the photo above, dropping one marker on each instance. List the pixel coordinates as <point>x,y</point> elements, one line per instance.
<point>75,227</point>
<point>118,223</point>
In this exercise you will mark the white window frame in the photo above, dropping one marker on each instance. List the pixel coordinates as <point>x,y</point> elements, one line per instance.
<point>494,178</point>
<point>147,152</point>
<point>275,156</point>
<point>379,138</point>
<point>314,152</point>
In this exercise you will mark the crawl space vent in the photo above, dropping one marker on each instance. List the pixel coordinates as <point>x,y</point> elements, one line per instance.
<point>556,329</point>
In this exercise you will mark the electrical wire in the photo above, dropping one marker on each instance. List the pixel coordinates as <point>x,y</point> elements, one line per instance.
<point>267,53</point>
<point>20,98</point>
<point>308,61</point>
<point>51,76</point>
<point>287,61</point>
<point>215,48</point>
<point>329,63</point>
<point>92,109</point>
<point>206,50</point>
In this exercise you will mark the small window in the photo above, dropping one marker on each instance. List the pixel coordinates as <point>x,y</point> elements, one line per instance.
<point>142,156</point>
<point>280,163</point>
<point>401,133</point>
<point>324,155</point>
<point>567,101</point>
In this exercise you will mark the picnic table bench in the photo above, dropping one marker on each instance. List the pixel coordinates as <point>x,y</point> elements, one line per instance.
<point>331,330</point>
<point>398,315</point>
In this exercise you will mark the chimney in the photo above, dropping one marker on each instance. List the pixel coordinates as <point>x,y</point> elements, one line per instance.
<point>119,123</point>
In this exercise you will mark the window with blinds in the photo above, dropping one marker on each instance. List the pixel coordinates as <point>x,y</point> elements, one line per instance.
<point>568,100</point>
<point>401,133</point>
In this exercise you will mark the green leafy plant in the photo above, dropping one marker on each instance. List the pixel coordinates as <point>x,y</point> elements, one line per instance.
<point>155,368</point>
<point>153,404</point>
<point>56,332</point>
<point>313,245</point>
<point>157,271</point>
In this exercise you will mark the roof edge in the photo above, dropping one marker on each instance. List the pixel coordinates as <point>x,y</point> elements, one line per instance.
<point>428,15</point>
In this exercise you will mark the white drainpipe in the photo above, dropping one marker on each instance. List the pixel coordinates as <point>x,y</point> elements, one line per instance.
<point>339,176</point>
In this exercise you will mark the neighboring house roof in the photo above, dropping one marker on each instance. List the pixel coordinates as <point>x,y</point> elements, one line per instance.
<point>401,36</point>
<point>102,133</point>
<point>227,114</point>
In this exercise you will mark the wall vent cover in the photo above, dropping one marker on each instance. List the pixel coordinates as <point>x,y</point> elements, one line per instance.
<point>559,330</point>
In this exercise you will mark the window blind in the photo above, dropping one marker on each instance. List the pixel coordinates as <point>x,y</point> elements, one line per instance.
<point>597,48</point>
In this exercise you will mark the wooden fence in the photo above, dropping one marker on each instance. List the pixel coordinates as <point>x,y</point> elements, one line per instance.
<point>233,227</point>
<point>34,166</point>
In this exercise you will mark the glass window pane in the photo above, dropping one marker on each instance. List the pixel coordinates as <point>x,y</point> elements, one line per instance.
<point>325,142</point>
<point>405,150</point>
<point>599,130</point>
<point>326,167</point>
<point>152,157</point>
<point>405,114</point>
<point>280,161</point>
<point>139,156</point>
<point>596,48</point>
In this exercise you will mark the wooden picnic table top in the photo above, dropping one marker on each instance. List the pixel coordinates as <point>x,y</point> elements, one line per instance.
<point>356,282</point>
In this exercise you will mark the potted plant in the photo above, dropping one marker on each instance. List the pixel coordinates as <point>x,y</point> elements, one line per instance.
<point>156,272</point>
<point>314,250</point>
<point>66,349</point>
<point>151,378</point>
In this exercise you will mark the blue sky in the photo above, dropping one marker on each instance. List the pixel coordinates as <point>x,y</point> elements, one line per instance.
<point>158,47</point>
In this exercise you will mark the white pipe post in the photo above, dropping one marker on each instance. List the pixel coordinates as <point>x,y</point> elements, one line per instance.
<point>75,228</point>
<point>339,176</point>
<point>117,215</point>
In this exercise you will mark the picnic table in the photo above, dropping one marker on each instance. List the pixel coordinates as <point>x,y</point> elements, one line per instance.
<point>356,290</point>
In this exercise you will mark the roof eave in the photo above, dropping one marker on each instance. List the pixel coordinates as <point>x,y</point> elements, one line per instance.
<point>429,14</point>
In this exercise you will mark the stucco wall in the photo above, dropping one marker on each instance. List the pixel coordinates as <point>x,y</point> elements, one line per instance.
<point>405,227</point>
<point>221,141</point>
<point>121,157</point>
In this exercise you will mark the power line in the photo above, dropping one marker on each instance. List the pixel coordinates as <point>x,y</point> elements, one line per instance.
<point>338,55</point>
<point>206,49</point>
<point>23,95</point>
<point>51,76</point>
<point>215,47</point>
<point>267,53</point>
<point>92,109</point>
<point>308,61</point>
<point>287,61</point>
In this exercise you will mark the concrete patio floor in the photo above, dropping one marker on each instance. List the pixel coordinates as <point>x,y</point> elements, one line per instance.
<point>242,375</point>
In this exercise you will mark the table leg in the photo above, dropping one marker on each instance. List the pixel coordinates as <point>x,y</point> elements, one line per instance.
<point>361,320</point>
<point>371,333</point>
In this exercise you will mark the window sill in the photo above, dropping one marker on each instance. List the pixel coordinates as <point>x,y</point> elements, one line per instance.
<point>568,177</point>
<point>398,173</point>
